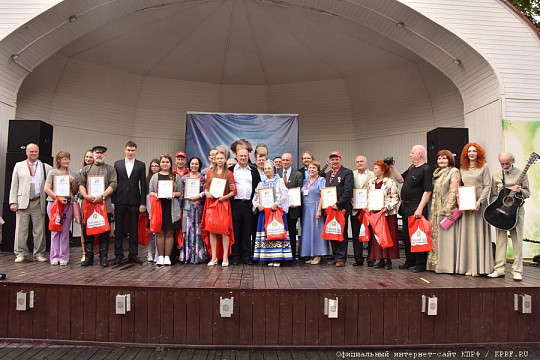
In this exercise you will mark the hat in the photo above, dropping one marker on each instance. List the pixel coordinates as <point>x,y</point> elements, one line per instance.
<point>334,153</point>
<point>181,153</point>
<point>99,149</point>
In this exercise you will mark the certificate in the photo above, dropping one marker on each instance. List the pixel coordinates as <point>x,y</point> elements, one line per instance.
<point>61,185</point>
<point>165,189</point>
<point>376,199</point>
<point>217,187</point>
<point>192,187</point>
<point>360,198</point>
<point>467,197</point>
<point>294,197</point>
<point>266,197</point>
<point>328,196</point>
<point>96,185</point>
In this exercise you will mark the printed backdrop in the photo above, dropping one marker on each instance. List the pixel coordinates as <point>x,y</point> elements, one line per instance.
<point>205,131</point>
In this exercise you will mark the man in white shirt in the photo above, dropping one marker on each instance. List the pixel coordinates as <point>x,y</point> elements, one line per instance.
<point>27,200</point>
<point>362,175</point>
<point>246,180</point>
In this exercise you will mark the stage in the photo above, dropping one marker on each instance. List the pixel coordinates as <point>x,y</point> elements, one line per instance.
<point>273,307</point>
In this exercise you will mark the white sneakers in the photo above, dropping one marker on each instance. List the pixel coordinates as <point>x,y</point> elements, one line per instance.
<point>496,274</point>
<point>160,260</point>
<point>167,261</point>
<point>518,277</point>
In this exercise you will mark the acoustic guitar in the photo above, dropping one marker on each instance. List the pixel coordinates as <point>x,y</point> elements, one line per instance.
<point>503,212</point>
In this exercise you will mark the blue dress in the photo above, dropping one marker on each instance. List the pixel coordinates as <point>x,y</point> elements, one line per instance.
<point>311,243</point>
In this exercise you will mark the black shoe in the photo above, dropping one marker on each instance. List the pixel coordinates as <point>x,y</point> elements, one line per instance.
<point>380,264</point>
<point>358,263</point>
<point>104,262</point>
<point>370,263</point>
<point>418,269</point>
<point>405,266</point>
<point>135,260</point>
<point>117,261</point>
<point>388,265</point>
<point>88,261</point>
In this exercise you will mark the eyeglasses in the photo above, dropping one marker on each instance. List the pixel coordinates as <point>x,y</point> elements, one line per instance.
<point>154,165</point>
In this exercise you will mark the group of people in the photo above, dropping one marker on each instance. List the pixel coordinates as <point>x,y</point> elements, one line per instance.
<point>230,225</point>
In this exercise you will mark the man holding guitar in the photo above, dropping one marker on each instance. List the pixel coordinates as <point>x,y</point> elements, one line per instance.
<point>517,183</point>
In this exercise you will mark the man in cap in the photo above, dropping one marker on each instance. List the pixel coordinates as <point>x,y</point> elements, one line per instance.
<point>180,161</point>
<point>129,198</point>
<point>343,179</point>
<point>27,200</point>
<point>98,168</point>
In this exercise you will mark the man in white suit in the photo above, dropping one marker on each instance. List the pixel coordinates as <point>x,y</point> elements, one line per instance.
<point>27,200</point>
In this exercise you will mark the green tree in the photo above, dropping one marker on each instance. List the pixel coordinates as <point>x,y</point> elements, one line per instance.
<point>529,8</point>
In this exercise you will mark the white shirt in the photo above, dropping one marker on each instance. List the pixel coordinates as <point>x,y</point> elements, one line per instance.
<point>36,179</point>
<point>287,173</point>
<point>360,178</point>
<point>242,179</point>
<point>129,166</point>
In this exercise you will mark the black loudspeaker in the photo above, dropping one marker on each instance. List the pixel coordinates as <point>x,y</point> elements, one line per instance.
<point>24,132</point>
<point>14,157</point>
<point>452,139</point>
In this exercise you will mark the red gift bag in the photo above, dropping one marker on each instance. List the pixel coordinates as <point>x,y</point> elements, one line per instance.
<point>96,219</point>
<point>155,217</point>
<point>180,238</point>
<point>217,217</point>
<point>56,217</point>
<point>365,232</point>
<point>420,234</point>
<point>380,229</point>
<point>143,233</point>
<point>274,226</point>
<point>333,227</point>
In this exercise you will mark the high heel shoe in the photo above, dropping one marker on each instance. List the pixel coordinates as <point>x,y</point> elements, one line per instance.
<point>224,263</point>
<point>212,263</point>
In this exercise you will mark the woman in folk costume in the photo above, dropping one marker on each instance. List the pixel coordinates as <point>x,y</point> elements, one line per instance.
<point>273,251</point>
<point>220,244</point>
<point>388,185</point>
<point>442,259</point>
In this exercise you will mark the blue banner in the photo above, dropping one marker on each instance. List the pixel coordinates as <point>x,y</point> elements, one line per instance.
<point>205,131</point>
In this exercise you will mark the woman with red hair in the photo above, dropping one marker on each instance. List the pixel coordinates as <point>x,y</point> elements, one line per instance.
<point>383,181</point>
<point>474,254</point>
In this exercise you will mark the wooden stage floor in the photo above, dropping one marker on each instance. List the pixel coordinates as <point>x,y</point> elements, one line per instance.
<point>273,307</point>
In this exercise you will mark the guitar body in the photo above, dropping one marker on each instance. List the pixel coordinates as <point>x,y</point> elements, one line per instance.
<point>503,212</point>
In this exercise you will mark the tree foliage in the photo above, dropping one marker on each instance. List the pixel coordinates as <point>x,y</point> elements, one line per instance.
<point>529,8</point>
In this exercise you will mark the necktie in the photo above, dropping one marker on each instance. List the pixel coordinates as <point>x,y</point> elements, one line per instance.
<point>285,176</point>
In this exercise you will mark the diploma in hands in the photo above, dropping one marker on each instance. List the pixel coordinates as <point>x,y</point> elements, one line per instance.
<point>96,185</point>
<point>266,197</point>
<point>328,196</point>
<point>61,185</point>
<point>192,187</point>
<point>376,199</point>
<point>165,189</point>
<point>360,198</point>
<point>217,187</point>
<point>294,197</point>
<point>467,197</point>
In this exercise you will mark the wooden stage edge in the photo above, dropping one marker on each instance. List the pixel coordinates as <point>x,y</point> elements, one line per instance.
<point>274,308</point>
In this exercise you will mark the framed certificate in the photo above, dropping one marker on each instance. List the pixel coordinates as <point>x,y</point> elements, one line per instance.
<point>217,187</point>
<point>360,198</point>
<point>294,197</point>
<point>375,199</point>
<point>266,197</point>
<point>165,189</point>
<point>328,196</point>
<point>61,185</point>
<point>96,185</point>
<point>467,197</point>
<point>192,187</point>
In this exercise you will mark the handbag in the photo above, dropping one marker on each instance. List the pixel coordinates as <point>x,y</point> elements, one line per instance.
<point>420,234</point>
<point>446,223</point>
<point>380,232</point>
<point>274,226</point>
<point>155,217</point>
<point>365,232</point>
<point>333,227</point>
<point>143,233</point>
<point>56,217</point>
<point>96,218</point>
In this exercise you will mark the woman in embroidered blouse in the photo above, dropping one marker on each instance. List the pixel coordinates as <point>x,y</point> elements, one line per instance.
<point>474,256</point>
<point>170,208</point>
<point>442,259</point>
<point>383,181</point>
<point>273,251</point>
<point>60,239</point>
<point>193,251</point>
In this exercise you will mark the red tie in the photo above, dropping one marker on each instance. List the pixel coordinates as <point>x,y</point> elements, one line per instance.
<point>285,176</point>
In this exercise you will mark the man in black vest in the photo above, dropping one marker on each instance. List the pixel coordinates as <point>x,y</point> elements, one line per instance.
<point>130,199</point>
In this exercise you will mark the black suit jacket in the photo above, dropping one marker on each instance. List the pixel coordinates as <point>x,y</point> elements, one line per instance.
<point>255,178</point>
<point>296,179</point>
<point>132,190</point>
<point>344,183</point>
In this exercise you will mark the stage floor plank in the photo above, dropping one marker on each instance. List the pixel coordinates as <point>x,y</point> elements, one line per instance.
<point>250,277</point>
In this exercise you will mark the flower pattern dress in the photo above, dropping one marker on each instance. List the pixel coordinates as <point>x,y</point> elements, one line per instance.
<point>193,251</point>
